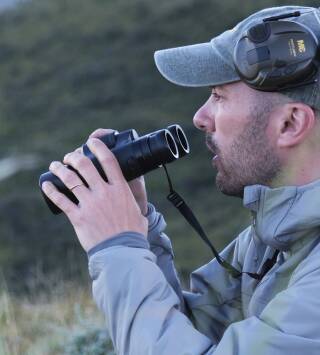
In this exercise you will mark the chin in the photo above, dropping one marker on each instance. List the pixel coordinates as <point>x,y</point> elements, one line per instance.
<point>229,189</point>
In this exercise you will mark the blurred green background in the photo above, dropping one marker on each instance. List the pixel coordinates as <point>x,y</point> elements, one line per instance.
<point>68,67</point>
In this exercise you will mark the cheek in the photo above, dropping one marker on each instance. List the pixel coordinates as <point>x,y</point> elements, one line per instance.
<point>227,129</point>
<point>233,116</point>
<point>272,137</point>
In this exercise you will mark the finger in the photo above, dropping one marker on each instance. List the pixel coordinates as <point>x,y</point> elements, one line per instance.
<point>79,150</point>
<point>59,199</point>
<point>107,160</point>
<point>85,168</point>
<point>102,132</point>
<point>69,178</point>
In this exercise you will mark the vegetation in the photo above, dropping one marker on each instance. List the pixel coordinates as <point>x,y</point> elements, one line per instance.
<point>62,321</point>
<point>67,68</point>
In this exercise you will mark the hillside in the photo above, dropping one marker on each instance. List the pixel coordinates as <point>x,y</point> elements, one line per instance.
<point>69,67</point>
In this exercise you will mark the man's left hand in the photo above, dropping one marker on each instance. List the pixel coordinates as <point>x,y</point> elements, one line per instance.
<point>105,209</point>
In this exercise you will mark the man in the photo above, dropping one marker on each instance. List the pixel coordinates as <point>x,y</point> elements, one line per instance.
<point>266,148</point>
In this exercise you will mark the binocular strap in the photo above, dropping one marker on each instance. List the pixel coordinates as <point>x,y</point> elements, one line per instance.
<point>187,213</point>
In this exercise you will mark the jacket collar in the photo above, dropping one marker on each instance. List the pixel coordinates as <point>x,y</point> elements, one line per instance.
<point>284,215</point>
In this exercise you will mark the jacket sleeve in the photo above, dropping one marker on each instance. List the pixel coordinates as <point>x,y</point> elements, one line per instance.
<point>161,247</point>
<point>140,307</point>
<point>213,303</point>
<point>215,298</point>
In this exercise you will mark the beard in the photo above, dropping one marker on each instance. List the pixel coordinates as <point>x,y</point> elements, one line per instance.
<point>250,159</point>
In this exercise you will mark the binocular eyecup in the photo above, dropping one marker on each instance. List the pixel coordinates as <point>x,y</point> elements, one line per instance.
<point>136,156</point>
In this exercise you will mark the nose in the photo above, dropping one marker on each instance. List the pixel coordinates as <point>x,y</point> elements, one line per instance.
<point>203,118</point>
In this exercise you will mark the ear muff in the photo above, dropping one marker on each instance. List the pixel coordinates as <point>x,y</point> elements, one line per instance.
<point>276,55</point>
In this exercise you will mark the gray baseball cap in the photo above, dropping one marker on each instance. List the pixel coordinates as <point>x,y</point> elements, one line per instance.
<point>211,63</point>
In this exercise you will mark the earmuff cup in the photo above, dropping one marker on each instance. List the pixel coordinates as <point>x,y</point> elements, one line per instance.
<point>277,55</point>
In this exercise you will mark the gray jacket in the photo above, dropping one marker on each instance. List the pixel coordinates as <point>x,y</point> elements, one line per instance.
<point>136,287</point>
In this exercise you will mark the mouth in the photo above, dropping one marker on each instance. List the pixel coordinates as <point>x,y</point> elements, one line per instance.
<point>212,147</point>
<point>215,161</point>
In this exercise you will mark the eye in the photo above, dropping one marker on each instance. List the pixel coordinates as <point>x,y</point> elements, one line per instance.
<point>215,96</point>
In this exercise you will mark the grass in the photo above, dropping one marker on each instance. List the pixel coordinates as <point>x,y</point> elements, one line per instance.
<point>62,321</point>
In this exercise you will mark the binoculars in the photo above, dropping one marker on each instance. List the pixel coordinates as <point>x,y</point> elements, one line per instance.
<point>136,156</point>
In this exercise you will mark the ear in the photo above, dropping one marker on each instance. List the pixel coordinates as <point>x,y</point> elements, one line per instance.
<point>295,124</point>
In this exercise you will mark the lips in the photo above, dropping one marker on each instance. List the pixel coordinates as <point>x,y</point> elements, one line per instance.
<point>211,147</point>
<point>214,161</point>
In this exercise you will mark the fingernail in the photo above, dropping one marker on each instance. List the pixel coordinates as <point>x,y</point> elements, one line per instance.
<point>66,157</point>
<point>54,165</point>
<point>92,141</point>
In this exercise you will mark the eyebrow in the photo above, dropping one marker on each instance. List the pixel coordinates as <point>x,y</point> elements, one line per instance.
<point>219,87</point>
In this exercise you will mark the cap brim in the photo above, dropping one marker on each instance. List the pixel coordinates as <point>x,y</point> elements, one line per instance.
<point>195,66</point>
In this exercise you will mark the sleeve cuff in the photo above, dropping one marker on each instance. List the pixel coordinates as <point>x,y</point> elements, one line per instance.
<point>156,237</point>
<point>156,223</point>
<point>129,239</point>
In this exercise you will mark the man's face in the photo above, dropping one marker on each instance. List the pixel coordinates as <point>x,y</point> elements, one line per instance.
<point>236,125</point>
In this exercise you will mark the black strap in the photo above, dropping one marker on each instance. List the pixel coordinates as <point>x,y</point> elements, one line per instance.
<point>187,213</point>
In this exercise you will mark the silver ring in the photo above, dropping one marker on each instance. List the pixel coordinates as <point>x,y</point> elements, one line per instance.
<point>73,187</point>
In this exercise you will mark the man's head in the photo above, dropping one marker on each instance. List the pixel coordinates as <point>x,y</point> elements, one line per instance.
<point>235,120</point>
<point>254,134</point>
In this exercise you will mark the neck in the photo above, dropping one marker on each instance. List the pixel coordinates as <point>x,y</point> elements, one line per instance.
<point>301,169</point>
